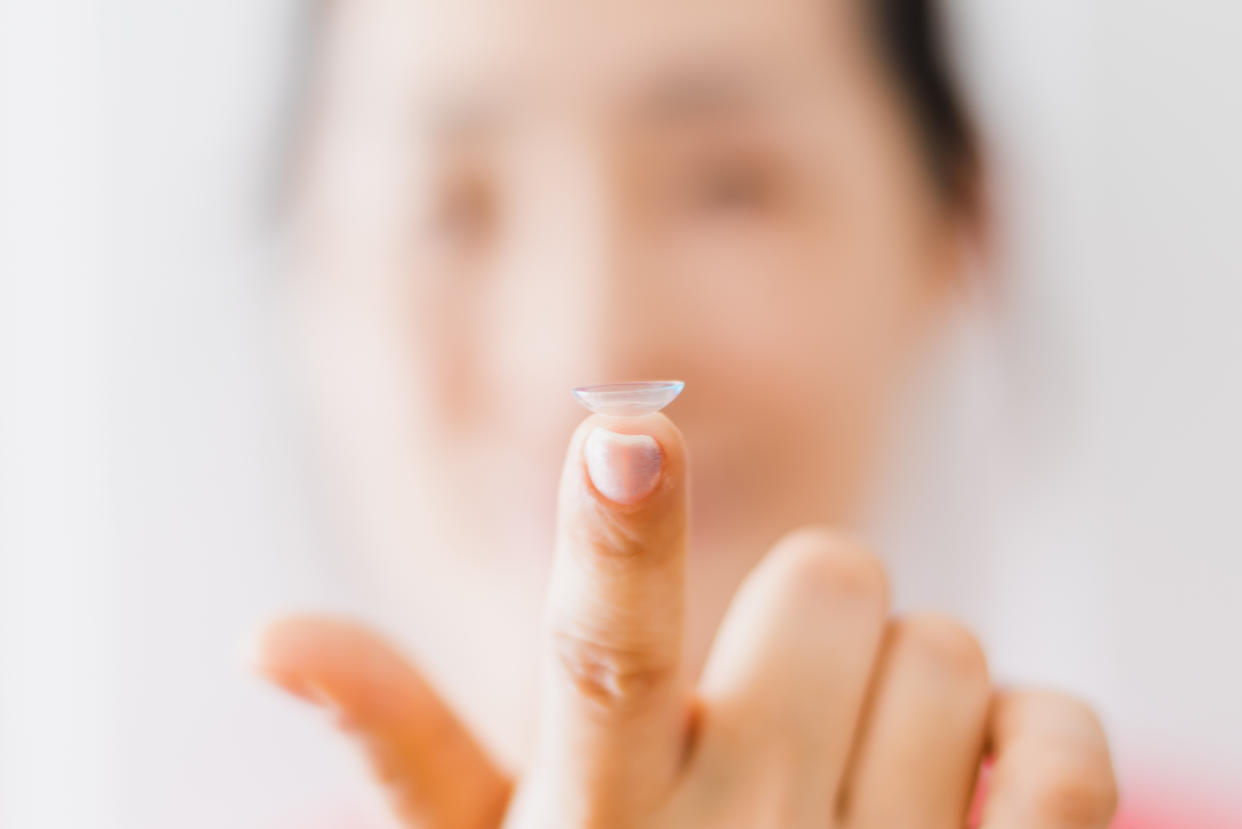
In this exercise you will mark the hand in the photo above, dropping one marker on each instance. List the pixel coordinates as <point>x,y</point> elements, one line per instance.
<point>815,709</point>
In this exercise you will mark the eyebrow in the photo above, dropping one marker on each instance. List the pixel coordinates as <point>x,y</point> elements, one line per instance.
<point>687,93</point>
<point>679,94</point>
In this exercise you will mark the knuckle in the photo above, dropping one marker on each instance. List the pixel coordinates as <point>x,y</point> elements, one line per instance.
<point>834,565</point>
<point>614,678</point>
<point>1070,780</point>
<point>1079,718</point>
<point>1076,789</point>
<point>623,537</point>
<point>944,643</point>
<point>608,535</point>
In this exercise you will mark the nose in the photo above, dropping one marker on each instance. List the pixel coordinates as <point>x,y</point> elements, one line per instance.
<point>581,304</point>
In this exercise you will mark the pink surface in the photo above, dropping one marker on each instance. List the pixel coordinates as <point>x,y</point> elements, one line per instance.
<point>1144,807</point>
<point>1172,814</point>
<point>1154,807</point>
<point>1155,801</point>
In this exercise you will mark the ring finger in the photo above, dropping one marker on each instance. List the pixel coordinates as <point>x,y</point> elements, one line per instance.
<point>916,763</point>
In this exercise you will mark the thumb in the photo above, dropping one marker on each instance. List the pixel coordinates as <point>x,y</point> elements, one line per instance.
<point>439,775</point>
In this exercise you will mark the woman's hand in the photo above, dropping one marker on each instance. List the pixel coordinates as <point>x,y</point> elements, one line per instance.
<point>815,710</point>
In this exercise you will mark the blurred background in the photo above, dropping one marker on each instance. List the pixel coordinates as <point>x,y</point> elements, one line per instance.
<point>154,501</point>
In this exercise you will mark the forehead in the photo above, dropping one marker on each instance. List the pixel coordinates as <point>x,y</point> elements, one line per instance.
<point>587,48</point>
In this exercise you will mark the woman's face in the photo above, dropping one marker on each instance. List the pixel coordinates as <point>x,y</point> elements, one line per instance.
<point>501,200</point>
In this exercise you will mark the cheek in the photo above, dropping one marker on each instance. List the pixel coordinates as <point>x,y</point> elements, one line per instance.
<point>442,343</point>
<point>386,344</point>
<point>814,310</point>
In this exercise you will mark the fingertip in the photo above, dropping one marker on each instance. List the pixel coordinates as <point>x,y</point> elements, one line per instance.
<point>1053,761</point>
<point>276,651</point>
<point>438,773</point>
<point>657,426</point>
<point>629,466</point>
<point>622,493</point>
<point>622,468</point>
<point>315,658</point>
<point>830,563</point>
<point>946,646</point>
<point>279,642</point>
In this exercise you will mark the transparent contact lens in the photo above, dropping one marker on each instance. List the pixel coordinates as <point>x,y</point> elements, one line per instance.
<point>629,399</point>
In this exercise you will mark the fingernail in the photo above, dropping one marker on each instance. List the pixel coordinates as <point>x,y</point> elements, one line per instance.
<point>624,468</point>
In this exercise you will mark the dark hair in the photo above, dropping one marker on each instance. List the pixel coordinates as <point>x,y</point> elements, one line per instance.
<point>912,46</point>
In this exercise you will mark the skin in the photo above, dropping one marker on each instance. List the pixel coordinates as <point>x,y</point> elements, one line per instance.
<point>499,200</point>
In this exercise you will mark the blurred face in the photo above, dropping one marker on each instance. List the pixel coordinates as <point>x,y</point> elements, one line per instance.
<point>501,200</point>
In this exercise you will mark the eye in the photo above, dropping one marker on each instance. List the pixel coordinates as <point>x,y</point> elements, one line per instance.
<point>463,211</point>
<point>731,185</point>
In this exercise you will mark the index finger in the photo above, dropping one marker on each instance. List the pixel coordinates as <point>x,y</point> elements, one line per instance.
<point>614,707</point>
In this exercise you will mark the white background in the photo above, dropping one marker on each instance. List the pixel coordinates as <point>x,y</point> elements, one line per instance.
<point>150,500</point>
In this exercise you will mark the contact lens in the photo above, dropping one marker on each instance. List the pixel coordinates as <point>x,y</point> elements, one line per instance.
<point>629,399</point>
